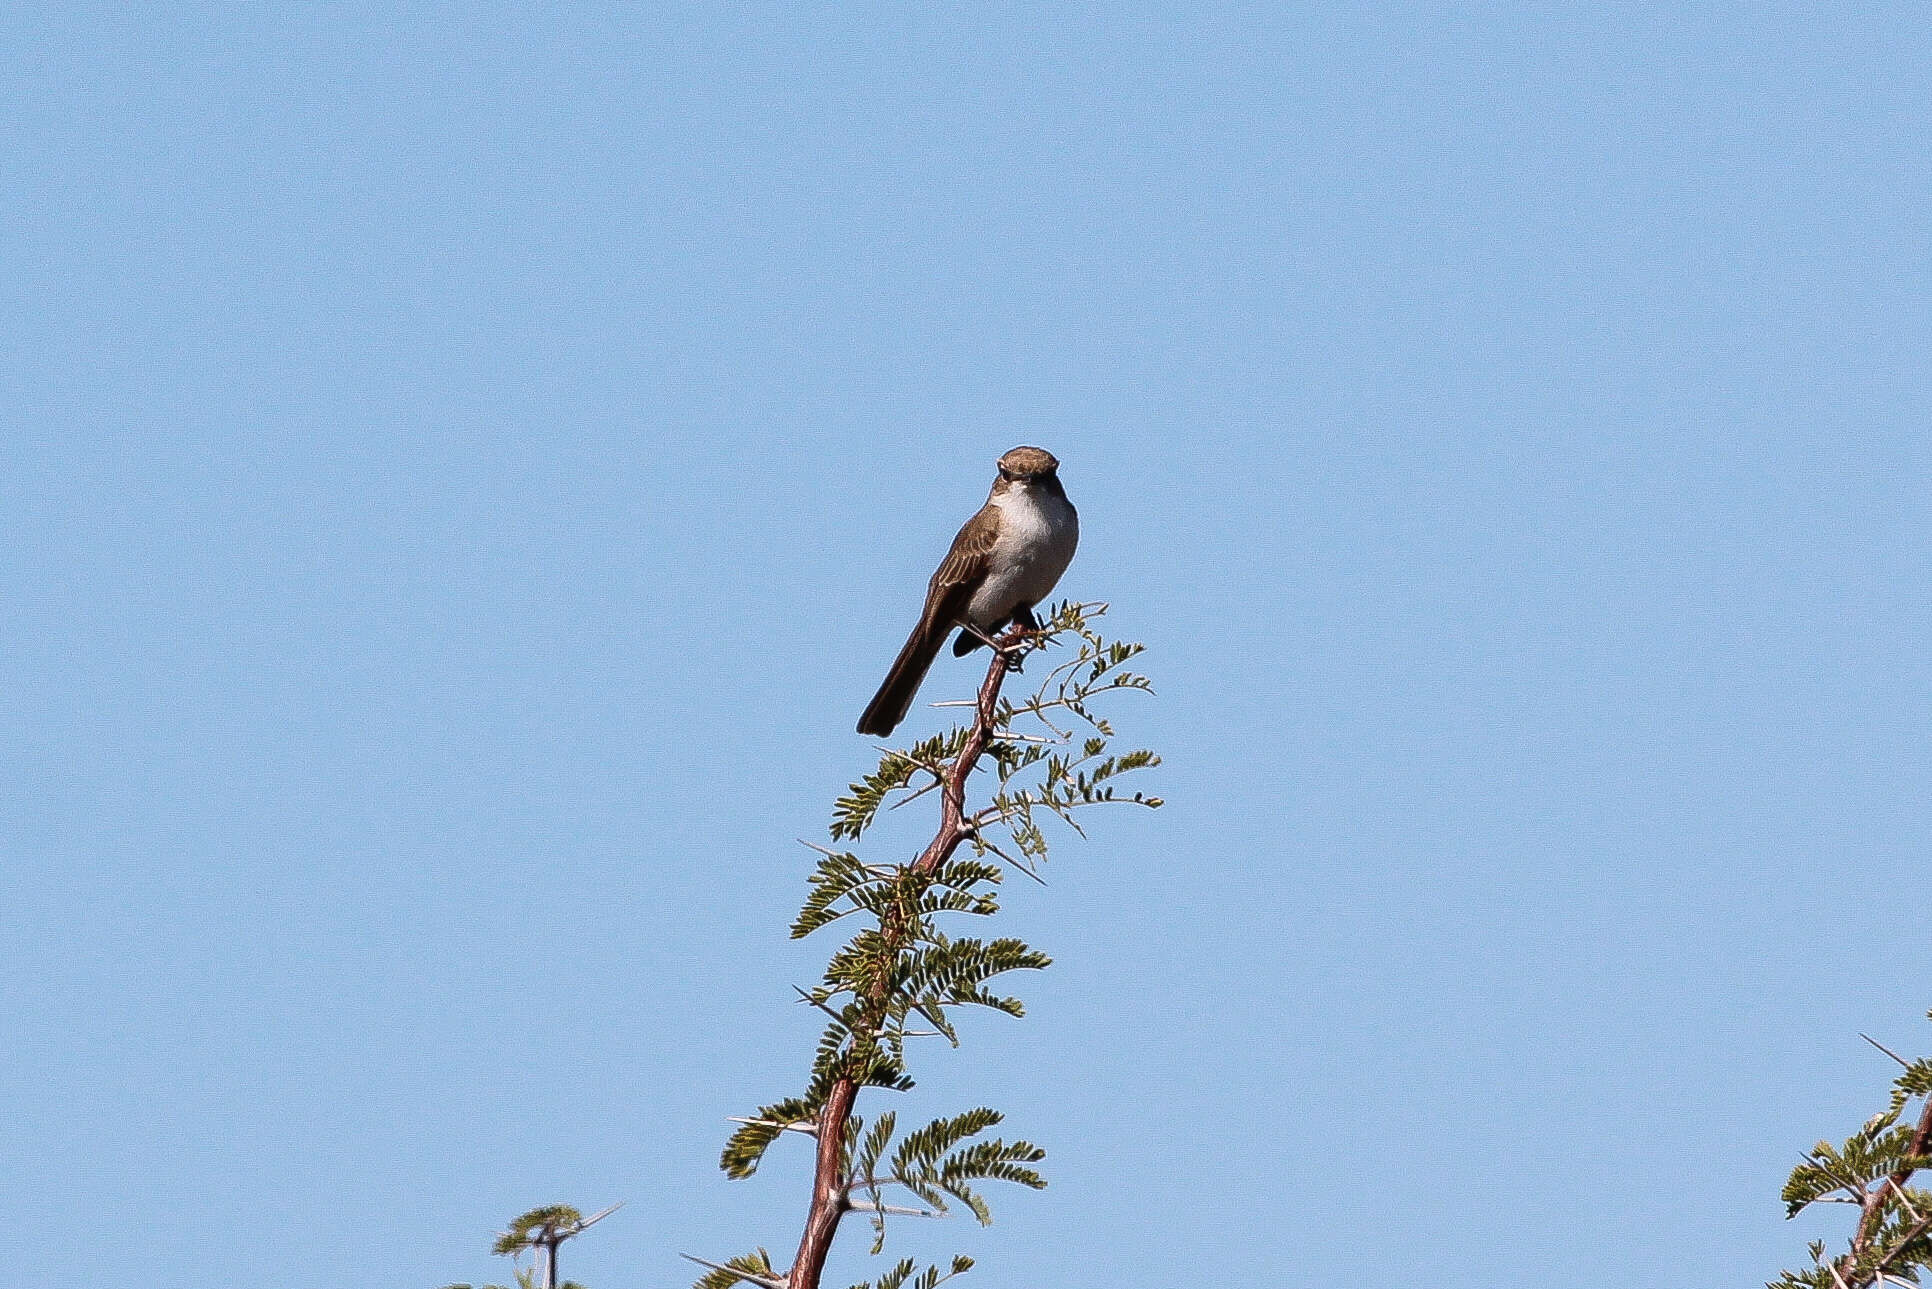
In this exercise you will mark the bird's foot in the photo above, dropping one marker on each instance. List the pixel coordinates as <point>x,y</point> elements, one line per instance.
<point>1017,643</point>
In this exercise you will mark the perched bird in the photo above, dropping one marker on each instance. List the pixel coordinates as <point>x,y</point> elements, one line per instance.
<point>1003,562</point>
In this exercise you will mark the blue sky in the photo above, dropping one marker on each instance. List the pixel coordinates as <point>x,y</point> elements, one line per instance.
<point>466,467</point>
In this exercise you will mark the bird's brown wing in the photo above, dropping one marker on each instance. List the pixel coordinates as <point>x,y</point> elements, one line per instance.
<point>964,567</point>
<point>947,596</point>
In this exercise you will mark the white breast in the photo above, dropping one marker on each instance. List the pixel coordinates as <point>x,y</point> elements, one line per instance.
<point>1038,532</point>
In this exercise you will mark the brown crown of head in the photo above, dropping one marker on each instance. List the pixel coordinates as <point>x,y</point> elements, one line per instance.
<point>1028,463</point>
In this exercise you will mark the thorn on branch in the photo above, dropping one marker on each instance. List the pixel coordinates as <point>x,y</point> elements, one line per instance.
<point>805,997</point>
<point>867,1206</point>
<point>1888,1051</point>
<point>805,1126</point>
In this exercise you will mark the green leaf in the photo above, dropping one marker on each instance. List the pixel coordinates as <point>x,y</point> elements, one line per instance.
<point>853,813</point>
<point>746,1147</point>
<point>924,1147</point>
<point>756,1264</point>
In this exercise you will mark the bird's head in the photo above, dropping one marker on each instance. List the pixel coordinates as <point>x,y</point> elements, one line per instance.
<point>1028,465</point>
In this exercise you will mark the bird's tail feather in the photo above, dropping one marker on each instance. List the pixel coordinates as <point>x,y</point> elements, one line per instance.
<point>889,706</point>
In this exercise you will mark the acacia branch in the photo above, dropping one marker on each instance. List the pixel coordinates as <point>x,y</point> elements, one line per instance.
<point>830,1199</point>
<point>1872,1216</point>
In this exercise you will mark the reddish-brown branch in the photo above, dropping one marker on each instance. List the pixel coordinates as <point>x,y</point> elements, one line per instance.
<point>829,1200</point>
<point>1873,1211</point>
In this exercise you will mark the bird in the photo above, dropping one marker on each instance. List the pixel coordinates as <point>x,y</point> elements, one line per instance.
<point>1006,559</point>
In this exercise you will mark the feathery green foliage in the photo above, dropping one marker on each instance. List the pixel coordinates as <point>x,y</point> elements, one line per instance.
<point>531,1230</point>
<point>1872,1170</point>
<point>853,813</point>
<point>542,1230</point>
<point>900,1277</point>
<point>750,1268</point>
<point>904,971</point>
